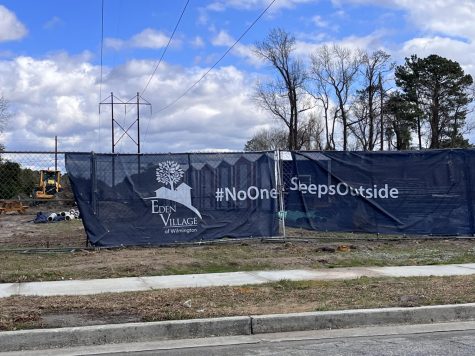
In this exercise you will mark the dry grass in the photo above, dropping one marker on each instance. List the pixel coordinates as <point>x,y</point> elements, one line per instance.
<point>316,253</point>
<point>280,297</point>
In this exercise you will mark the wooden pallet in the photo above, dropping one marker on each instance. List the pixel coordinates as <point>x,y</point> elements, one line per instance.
<point>7,206</point>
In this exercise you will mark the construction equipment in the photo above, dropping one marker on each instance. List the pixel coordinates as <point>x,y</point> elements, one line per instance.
<point>49,185</point>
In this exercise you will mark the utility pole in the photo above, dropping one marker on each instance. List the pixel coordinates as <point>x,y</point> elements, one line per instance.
<point>55,153</point>
<point>112,121</point>
<point>138,123</point>
<point>381,95</point>
<point>115,124</point>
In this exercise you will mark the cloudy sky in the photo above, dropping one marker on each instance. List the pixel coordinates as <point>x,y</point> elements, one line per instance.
<point>50,63</point>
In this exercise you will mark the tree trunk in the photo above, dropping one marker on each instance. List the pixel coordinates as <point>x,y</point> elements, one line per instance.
<point>419,133</point>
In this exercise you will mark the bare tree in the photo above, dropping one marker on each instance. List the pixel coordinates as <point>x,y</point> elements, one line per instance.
<point>268,140</point>
<point>285,95</point>
<point>369,124</point>
<point>309,137</point>
<point>321,93</point>
<point>336,68</point>
<point>360,126</point>
<point>310,134</point>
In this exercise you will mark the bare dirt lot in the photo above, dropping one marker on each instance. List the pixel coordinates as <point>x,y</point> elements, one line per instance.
<point>19,231</point>
<point>56,251</point>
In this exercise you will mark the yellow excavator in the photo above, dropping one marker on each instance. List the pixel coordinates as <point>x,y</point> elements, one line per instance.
<point>49,184</point>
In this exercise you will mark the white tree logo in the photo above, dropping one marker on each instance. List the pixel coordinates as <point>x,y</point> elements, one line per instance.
<point>169,172</point>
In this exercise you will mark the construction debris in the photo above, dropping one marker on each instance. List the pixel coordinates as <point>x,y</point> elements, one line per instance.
<point>55,217</point>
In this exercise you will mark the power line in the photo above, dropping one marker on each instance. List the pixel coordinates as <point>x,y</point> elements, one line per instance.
<point>102,49</point>
<point>219,60</point>
<point>166,47</point>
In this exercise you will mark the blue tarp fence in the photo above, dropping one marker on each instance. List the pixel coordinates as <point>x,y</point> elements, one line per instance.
<point>410,192</point>
<point>155,199</point>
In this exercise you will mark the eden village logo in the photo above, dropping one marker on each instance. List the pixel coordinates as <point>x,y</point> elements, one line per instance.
<point>170,173</point>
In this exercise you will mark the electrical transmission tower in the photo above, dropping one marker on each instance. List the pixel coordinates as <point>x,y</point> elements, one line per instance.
<point>113,101</point>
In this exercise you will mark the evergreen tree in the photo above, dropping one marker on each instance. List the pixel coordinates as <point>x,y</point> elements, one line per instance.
<point>441,91</point>
<point>401,120</point>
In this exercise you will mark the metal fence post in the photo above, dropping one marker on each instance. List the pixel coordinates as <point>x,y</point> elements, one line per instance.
<point>93,183</point>
<point>280,189</point>
<point>468,192</point>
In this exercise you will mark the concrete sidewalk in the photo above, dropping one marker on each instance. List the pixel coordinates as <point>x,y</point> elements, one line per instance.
<point>130,284</point>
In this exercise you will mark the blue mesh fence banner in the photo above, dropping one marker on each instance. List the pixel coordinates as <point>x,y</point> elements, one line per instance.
<point>155,199</point>
<point>410,192</point>
<point>172,198</point>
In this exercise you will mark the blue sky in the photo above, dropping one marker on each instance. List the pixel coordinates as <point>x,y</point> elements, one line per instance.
<point>50,62</point>
<point>75,26</point>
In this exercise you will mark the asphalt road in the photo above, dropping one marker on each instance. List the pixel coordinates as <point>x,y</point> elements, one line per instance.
<point>436,343</point>
<point>445,339</point>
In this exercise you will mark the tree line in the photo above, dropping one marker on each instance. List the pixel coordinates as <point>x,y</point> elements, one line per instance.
<point>15,181</point>
<point>345,99</point>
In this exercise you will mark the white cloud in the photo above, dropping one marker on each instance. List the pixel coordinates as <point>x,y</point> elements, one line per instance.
<point>60,96</point>
<point>369,42</point>
<point>446,28</point>
<point>114,43</point>
<point>450,17</point>
<point>148,38</point>
<point>319,21</point>
<point>53,23</point>
<point>223,39</point>
<point>459,51</point>
<point>11,28</point>
<point>198,42</point>
<point>255,4</point>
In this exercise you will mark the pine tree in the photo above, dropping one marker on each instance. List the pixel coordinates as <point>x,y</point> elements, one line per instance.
<point>441,91</point>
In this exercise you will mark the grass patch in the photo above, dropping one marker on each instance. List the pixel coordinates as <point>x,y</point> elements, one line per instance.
<point>280,297</point>
<point>285,284</point>
<point>127,262</point>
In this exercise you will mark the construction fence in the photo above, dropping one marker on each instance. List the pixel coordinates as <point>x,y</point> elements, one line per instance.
<point>20,173</point>
<point>150,199</point>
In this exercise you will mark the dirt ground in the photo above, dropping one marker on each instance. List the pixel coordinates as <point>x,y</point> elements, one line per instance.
<point>18,230</point>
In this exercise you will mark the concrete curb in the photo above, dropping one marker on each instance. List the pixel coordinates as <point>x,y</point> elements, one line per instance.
<point>123,333</point>
<point>230,326</point>
<point>362,317</point>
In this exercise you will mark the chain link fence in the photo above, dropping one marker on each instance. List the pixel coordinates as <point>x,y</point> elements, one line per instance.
<point>21,202</point>
<point>20,174</point>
